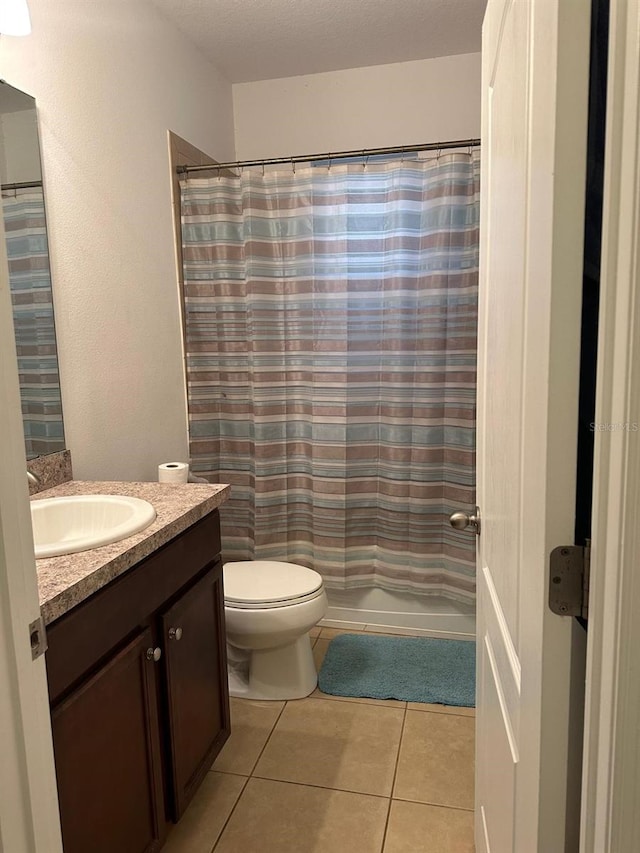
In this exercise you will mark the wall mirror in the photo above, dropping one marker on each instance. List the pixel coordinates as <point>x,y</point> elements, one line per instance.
<point>29,272</point>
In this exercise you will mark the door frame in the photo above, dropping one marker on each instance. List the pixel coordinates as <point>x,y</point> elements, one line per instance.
<point>611,779</point>
<point>29,819</point>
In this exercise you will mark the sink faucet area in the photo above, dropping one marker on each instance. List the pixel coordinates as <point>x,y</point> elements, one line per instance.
<point>33,478</point>
<point>69,524</point>
<point>83,541</point>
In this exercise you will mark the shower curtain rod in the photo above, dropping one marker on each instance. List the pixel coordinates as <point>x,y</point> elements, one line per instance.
<point>24,185</point>
<point>340,155</point>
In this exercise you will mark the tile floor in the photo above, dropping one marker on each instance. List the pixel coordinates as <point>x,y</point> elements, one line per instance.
<point>328,774</point>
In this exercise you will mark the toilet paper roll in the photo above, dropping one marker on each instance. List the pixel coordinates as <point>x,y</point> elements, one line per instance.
<point>173,472</point>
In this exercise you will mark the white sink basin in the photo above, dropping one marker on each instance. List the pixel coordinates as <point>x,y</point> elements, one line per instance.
<point>67,525</point>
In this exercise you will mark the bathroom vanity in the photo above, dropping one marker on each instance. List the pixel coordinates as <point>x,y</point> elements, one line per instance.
<point>136,669</point>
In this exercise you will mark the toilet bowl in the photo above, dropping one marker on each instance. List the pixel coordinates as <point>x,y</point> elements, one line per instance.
<point>269,609</point>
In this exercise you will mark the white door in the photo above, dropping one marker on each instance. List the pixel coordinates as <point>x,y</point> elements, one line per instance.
<point>534,136</point>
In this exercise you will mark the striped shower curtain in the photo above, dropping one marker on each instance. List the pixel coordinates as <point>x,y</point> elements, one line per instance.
<point>330,336</point>
<point>32,303</point>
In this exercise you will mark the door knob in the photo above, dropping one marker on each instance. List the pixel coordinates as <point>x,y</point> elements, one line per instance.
<point>154,654</point>
<point>175,633</point>
<point>461,520</point>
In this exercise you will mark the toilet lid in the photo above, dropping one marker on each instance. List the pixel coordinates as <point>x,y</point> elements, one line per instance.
<point>267,583</point>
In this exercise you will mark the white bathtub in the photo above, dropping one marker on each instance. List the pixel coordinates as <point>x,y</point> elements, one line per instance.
<point>378,610</point>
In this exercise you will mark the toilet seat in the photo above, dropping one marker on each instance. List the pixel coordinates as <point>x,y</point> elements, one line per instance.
<point>268,584</point>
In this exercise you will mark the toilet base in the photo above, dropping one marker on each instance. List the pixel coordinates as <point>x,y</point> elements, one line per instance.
<point>288,672</point>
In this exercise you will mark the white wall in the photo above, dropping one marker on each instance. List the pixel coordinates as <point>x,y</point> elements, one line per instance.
<point>429,100</point>
<point>110,78</point>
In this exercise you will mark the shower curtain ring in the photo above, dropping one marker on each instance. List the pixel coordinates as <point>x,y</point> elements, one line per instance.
<point>329,164</point>
<point>293,165</point>
<point>364,159</point>
<point>218,173</point>
<point>263,168</point>
<point>402,155</point>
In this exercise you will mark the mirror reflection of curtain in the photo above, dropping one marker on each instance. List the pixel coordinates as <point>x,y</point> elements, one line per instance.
<point>330,320</point>
<point>31,295</point>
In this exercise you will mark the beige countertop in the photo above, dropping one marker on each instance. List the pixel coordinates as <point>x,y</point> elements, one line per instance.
<point>63,582</point>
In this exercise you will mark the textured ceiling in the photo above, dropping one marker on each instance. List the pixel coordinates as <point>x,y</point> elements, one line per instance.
<point>262,39</point>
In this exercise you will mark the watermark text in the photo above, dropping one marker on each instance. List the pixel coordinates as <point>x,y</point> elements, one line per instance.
<point>623,426</point>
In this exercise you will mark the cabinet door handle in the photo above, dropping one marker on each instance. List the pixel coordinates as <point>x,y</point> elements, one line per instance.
<point>154,654</point>
<point>175,633</point>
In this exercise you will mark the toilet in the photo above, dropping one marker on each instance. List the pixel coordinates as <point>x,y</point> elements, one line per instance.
<point>270,607</point>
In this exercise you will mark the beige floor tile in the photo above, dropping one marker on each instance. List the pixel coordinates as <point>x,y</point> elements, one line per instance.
<point>417,828</point>
<point>203,821</point>
<point>436,762</point>
<point>362,700</point>
<point>330,633</point>
<point>319,651</point>
<point>346,745</point>
<point>396,632</point>
<point>277,817</point>
<point>315,632</point>
<point>342,624</point>
<point>441,709</point>
<point>251,725</point>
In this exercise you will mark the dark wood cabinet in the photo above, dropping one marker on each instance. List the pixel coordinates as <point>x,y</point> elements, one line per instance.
<point>106,737</point>
<point>139,699</point>
<point>197,697</point>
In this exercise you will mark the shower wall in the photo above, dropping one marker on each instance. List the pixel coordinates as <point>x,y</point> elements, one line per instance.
<point>387,105</point>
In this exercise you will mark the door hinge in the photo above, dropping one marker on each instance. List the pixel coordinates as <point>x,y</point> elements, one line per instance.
<point>37,638</point>
<point>569,567</point>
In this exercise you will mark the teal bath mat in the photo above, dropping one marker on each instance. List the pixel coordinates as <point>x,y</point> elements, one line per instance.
<point>413,669</point>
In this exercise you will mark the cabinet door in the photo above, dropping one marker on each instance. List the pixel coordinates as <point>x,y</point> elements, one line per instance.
<point>107,751</point>
<point>196,680</point>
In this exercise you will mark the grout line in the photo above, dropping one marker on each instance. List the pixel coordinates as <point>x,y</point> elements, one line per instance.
<point>273,728</point>
<point>436,805</point>
<point>224,826</point>
<point>361,700</point>
<point>378,703</point>
<point>386,825</point>
<point>247,778</point>
<point>230,773</point>
<point>337,632</point>
<point>321,787</point>
<point>393,782</point>
<point>442,713</point>
<point>369,628</point>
